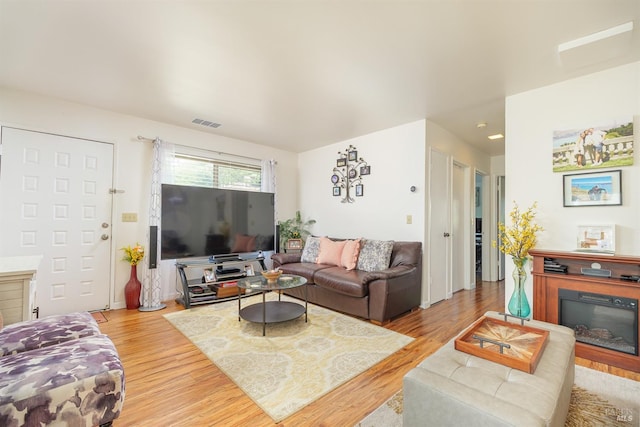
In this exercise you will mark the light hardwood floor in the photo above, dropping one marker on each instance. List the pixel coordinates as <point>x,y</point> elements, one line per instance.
<point>169,382</point>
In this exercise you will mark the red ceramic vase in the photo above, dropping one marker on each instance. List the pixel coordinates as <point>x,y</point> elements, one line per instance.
<point>132,290</point>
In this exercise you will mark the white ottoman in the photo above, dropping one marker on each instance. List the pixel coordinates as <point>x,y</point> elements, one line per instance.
<point>453,388</point>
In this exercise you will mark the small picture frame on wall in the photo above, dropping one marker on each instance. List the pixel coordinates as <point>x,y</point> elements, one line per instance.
<point>341,162</point>
<point>359,190</point>
<point>593,189</point>
<point>336,191</point>
<point>365,170</point>
<point>353,156</point>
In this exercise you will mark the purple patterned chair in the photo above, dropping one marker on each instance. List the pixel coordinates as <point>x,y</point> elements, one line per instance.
<point>59,370</point>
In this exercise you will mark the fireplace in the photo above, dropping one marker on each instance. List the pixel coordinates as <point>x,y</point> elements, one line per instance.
<point>605,321</point>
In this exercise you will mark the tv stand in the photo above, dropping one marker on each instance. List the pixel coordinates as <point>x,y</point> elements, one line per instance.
<point>194,290</point>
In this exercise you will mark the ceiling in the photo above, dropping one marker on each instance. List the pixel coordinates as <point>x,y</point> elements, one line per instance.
<point>300,74</point>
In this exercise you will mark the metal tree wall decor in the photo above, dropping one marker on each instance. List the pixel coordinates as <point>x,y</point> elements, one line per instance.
<point>348,173</point>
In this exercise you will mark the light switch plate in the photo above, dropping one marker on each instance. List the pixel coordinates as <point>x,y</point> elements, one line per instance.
<point>129,217</point>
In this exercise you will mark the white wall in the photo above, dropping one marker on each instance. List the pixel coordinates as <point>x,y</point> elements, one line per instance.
<point>398,161</point>
<point>531,118</point>
<point>133,161</point>
<point>396,157</point>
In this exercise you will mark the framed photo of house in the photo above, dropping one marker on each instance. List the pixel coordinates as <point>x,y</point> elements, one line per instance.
<point>592,189</point>
<point>597,238</point>
<point>294,244</point>
<point>209,275</point>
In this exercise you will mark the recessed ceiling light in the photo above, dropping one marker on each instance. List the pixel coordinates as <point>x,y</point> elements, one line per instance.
<point>496,136</point>
<point>592,38</point>
<point>481,125</point>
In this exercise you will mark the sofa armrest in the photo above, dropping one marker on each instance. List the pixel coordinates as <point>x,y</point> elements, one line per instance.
<point>389,273</point>
<point>284,258</point>
<point>394,291</point>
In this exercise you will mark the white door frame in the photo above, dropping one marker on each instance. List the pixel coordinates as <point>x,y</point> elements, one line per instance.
<point>109,230</point>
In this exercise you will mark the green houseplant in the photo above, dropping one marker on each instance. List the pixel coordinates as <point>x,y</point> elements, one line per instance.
<point>295,228</point>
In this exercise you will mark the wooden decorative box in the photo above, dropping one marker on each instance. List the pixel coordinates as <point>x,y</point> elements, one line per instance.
<point>522,346</point>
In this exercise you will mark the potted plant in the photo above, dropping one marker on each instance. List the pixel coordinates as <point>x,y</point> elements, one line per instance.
<point>295,228</point>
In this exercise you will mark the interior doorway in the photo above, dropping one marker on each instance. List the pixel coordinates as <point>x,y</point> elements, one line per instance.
<point>478,234</point>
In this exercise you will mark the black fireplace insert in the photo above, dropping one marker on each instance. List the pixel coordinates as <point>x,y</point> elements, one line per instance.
<point>602,320</point>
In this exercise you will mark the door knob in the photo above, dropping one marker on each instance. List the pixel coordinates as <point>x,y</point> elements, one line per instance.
<point>105,225</point>
<point>447,234</point>
<point>105,237</point>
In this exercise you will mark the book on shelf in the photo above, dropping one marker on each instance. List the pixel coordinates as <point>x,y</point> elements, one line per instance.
<point>223,292</point>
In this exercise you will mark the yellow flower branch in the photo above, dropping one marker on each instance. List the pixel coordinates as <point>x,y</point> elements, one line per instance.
<point>517,240</point>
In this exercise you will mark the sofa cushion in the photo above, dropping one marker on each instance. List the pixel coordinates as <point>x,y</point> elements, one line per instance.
<point>350,254</point>
<point>311,249</point>
<point>347,282</point>
<point>304,269</point>
<point>375,255</point>
<point>48,331</point>
<point>330,252</point>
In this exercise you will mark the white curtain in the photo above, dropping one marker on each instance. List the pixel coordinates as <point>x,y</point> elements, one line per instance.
<point>161,171</point>
<point>268,180</point>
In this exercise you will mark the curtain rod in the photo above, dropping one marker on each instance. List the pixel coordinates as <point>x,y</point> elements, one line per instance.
<point>220,153</point>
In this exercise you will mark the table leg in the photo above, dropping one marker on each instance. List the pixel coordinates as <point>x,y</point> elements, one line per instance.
<point>306,309</point>
<point>264,315</point>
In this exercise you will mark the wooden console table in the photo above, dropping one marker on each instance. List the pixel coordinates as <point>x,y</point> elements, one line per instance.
<point>17,287</point>
<point>547,284</point>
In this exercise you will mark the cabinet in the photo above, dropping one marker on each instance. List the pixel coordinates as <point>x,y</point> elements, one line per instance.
<point>197,278</point>
<point>547,287</point>
<point>17,287</point>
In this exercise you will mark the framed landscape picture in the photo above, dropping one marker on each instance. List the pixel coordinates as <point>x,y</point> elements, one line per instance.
<point>593,189</point>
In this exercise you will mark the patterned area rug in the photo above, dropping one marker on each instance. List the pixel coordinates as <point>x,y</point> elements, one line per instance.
<point>297,362</point>
<point>597,400</point>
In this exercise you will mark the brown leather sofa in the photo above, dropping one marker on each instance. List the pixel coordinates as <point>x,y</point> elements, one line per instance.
<point>377,295</point>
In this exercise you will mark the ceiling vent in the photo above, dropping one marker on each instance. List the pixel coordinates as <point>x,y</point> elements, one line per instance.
<point>206,123</point>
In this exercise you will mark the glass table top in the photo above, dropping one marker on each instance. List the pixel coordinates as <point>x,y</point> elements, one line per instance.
<point>259,283</point>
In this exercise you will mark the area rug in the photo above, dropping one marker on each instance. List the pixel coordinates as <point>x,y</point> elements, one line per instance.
<point>296,362</point>
<point>597,400</point>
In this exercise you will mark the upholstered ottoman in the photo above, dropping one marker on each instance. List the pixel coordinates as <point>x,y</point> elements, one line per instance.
<point>75,383</point>
<point>453,388</point>
<point>52,330</point>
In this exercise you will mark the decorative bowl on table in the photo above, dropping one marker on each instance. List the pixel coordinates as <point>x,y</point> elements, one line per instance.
<point>271,275</point>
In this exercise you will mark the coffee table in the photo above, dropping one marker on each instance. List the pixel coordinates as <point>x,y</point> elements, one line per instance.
<point>271,311</point>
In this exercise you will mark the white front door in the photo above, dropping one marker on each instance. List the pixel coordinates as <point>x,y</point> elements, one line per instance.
<point>459,234</point>
<point>54,192</point>
<point>439,227</point>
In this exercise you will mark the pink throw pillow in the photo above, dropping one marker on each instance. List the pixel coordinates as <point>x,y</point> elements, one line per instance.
<point>330,252</point>
<point>350,254</point>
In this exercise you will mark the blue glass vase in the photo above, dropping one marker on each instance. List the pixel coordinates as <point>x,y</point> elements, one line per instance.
<point>518,304</point>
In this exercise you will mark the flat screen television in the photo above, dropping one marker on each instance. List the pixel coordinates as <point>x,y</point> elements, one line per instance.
<point>200,221</point>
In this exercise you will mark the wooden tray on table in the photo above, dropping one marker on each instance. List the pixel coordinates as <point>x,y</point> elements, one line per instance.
<point>522,346</point>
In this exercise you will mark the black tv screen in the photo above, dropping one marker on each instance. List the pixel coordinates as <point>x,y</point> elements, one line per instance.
<point>199,221</point>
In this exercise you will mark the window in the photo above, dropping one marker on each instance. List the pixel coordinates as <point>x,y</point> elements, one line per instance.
<point>204,172</point>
